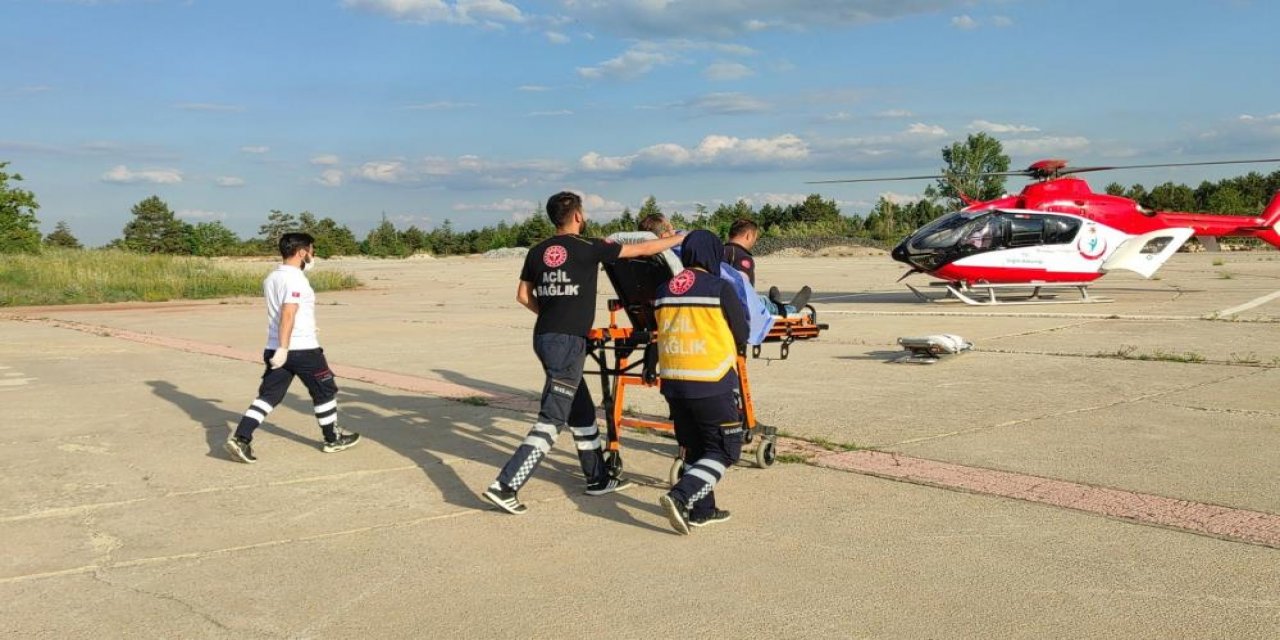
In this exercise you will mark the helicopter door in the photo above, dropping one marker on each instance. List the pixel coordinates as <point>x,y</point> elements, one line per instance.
<point>1146,253</point>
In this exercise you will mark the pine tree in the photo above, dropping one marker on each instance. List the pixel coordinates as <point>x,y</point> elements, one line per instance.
<point>154,229</point>
<point>61,237</point>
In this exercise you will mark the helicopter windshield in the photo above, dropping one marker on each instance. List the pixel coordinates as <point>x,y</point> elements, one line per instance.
<point>974,230</point>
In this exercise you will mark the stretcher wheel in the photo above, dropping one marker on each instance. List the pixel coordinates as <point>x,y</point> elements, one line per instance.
<point>677,470</point>
<point>613,464</point>
<point>766,453</point>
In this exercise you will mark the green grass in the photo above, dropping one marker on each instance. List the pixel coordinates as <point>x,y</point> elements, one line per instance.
<point>475,401</point>
<point>87,277</point>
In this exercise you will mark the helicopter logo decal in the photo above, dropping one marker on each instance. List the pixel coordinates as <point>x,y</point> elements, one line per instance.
<point>1090,245</point>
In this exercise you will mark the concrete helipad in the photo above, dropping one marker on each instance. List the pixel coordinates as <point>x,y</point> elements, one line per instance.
<point>1034,476</point>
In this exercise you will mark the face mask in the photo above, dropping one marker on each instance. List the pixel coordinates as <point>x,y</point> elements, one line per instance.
<point>309,263</point>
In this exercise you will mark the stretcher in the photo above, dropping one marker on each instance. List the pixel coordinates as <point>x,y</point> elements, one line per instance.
<point>627,356</point>
<point>801,325</point>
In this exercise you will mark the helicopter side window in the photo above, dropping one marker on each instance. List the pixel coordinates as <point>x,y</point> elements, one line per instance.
<point>1060,229</point>
<point>1024,231</point>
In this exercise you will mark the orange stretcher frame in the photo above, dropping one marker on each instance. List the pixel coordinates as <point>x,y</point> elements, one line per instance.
<point>627,370</point>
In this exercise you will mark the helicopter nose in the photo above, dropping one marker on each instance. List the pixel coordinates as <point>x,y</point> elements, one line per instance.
<point>900,253</point>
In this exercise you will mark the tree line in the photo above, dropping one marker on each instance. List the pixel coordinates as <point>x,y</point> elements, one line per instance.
<point>153,227</point>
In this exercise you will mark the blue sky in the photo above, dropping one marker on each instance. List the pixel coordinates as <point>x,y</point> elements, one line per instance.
<point>476,110</point>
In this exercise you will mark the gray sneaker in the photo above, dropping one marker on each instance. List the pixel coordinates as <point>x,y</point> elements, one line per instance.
<point>677,513</point>
<point>719,515</point>
<point>344,440</point>
<point>240,450</point>
<point>610,486</point>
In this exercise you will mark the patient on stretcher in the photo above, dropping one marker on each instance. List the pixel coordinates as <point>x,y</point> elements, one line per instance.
<point>737,253</point>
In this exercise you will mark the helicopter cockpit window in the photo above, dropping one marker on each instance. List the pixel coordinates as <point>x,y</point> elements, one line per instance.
<point>954,229</point>
<point>1025,231</point>
<point>1060,229</point>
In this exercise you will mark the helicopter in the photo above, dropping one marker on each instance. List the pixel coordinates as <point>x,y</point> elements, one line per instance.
<point>1058,233</point>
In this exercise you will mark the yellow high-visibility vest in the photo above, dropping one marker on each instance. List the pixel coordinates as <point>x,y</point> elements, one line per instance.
<point>694,340</point>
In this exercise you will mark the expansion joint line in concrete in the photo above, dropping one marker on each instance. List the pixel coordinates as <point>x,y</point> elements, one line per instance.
<point>1237,525</point>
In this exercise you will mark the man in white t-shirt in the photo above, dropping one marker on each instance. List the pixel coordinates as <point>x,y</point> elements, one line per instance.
<point>292,350</point>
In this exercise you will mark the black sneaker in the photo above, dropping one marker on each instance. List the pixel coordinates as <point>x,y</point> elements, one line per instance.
<point>802,297</point>
<point>240,450</point>
<point>775,296</point>
<point>610,486</point>
<point>719,515</point>
<point>504,499</point>
<point>677,513</point>
<point>345,440</point>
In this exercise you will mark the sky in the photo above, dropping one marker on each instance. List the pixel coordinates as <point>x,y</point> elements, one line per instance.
<point>474,111</point>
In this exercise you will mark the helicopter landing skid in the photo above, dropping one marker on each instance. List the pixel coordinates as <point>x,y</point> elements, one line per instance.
<point>985,295</point>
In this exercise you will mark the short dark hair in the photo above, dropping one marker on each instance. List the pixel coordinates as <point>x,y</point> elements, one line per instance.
<point>292,243</point>
<point>654,223</point>
<point>741,227</point>
<point>561,206</point>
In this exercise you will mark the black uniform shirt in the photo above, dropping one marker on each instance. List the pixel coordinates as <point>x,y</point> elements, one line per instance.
<point>742,260</point>
<point>563,270</point>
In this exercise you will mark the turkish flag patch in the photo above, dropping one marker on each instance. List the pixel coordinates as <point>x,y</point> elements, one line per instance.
<point>297,294</point>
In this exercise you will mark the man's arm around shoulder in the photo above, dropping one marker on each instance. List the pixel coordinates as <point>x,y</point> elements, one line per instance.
<point>649,247</point>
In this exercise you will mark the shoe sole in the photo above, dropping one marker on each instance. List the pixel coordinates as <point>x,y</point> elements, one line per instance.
<point>603,492</point>
<point>499,503</point>
<point>673,515</point>
<point>705,523</point>
<point>334,449</point>
<point>236,454</point>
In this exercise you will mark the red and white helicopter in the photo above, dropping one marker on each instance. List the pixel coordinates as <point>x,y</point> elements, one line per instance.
<point>1058,233</point>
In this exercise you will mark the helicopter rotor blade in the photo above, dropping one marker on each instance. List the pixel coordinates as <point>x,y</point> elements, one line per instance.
<point>1070,170</point>
<point>1021,172</point>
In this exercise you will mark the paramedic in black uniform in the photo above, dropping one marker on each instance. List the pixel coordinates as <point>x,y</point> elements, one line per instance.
<point>701,329</point>
<point>558,283</point>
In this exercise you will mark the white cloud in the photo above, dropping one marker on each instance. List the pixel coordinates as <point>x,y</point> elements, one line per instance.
<point>1044,146</point>
<point>727,71</point>
<point>1248,118</point>
<point>899,198</point>
<point>484,12</point>
<point>462,172</point>
<point>255,149</point>
<point>964,22</point>
<point>839,116</point>
<point>330,178</point>
<point>439,105</point>
<point>26,90</point>
<point>714,151</point>
<point>727,104</point>
<point>599,207</point>
<point>729,18</point>
<point>229,181</point>
<point>922,129</point>
<point>208,106</point>
<point>506,205</point>
<point>533,88</point>
<point>895,113</point>
<point>541,114</point>
<point>325,160</point>
<point>1002,21</point>
<point>200,214</point>
<point>386,172</point>
<point>555,37</point>
<point>120,174</point>
<point>995,127</point>
<point>633,63</point>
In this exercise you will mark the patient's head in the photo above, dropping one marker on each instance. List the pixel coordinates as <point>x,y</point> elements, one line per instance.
<point>744,233</point>
<point>657,224</point>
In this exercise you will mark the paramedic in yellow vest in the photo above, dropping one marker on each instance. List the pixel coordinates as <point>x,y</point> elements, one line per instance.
<point>701,327</point>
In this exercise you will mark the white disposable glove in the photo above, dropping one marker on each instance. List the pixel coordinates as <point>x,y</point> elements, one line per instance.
<point>278,358</point>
